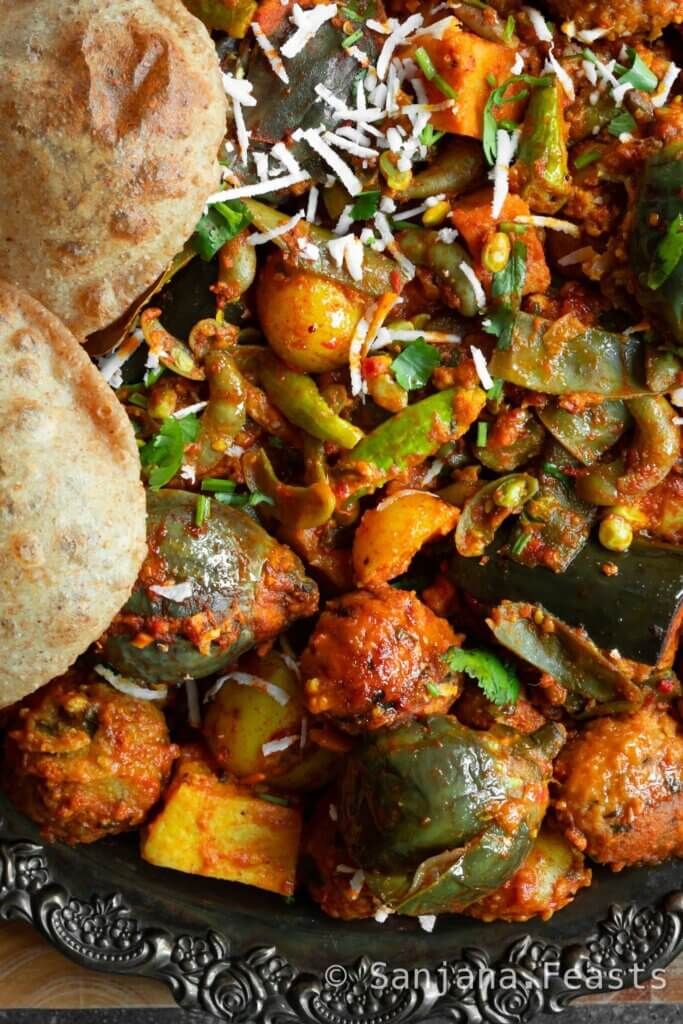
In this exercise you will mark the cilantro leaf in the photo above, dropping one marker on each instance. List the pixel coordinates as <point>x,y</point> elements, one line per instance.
<point>413,367</point>
<point>508,283</point>
<point>221,223</point>
<point>639,74</point>
<point>498,681</point>
<point>500,323</point>
<point>429,135</point>
<point>498,98</point>
<point>668,255</point>
<point>352,38</point>
<point>244,500</point>
<point>366,205</point>
<point>164,452</point>
<point>424,62</point>
<point>623,122</point>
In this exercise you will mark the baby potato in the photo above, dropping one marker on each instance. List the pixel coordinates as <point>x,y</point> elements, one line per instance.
<point>308,320</point>
<point>389,536</point>
<point>262,705</point>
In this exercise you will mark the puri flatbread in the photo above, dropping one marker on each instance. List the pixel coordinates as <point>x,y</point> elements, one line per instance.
<point>72,508</point>
<point>112,116</point>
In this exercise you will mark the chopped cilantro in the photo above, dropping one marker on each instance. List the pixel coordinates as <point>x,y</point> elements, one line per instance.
<point>413,367</point>
<point>424,62</point>
<point>221,223</point>
<point>366,205</point>
<point>429,135</point>
<point>510,26</point>
<point>482,434</point>
<point>500,323</point>
<point>497,98</point>
<point>433,689</point>
<point>639,74</point>
<point>587,158</point>
<point>508,283</point>
<point>202,510</point>
<point>498,680</point>
<point>353,38</point>
<point>138,399</point>
<point>623,122</point>
<point>668,255</point>
<point>164,452</point>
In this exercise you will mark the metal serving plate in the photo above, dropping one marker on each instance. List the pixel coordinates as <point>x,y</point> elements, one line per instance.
<point>244,955</point>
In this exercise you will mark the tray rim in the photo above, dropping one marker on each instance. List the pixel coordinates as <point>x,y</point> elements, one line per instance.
<point>106,932</point>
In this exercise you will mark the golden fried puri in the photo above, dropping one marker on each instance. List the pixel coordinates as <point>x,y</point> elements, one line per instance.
<point>72,508</point>
<point>112,117</point>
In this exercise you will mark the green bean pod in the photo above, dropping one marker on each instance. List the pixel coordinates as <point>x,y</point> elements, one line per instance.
<point>171,351</point>
<point>542,161</point>
<point>457,167</point>
<point>659,208</point>
<point>655,448</point>
<point>445,259</point>
<point>405,440</point>
<point>555,523</point>
<point>594,361</point>
<point>236,268</point>
<point>590,433</point>
<point>226,413</point>
<point>300,508</point>
<point>380,274</point>
<point>296,395</point>
<point>565,653</point>
<point>652,455</point>
<point>490,506</point>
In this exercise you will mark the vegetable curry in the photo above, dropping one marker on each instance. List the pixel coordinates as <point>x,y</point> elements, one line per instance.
<point>409,410</point>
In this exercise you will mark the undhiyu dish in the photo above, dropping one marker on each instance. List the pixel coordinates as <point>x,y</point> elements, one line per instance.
<point>341,490</point>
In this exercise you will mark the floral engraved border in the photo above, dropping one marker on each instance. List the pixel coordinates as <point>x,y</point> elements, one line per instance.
<point>205,974</point>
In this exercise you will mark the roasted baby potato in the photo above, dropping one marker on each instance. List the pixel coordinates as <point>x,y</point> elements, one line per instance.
<point>376,658</point>
<point>308,320</point>
<point>255,728</point>
<point>223,830</point>
<point>84,760</point>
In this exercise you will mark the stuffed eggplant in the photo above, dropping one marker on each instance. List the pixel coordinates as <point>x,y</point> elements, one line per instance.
<point>205,594</point>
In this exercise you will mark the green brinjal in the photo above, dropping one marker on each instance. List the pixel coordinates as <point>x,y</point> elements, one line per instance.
<point>236,587</point>
<point>438,815</point>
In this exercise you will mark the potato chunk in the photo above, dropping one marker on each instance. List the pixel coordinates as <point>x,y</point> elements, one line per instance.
<point>220,829</point>
<point>390,535</point>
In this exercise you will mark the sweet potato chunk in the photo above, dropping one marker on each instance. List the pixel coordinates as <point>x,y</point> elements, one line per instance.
<point>466,61</point>
<point>220,829</point>
<point>473,219</point>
